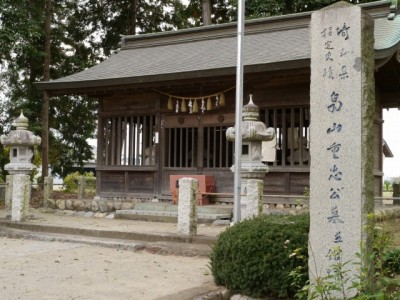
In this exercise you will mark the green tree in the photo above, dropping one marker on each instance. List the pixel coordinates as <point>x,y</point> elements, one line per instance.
<point>200,12</point>
<point>260,8</point>
<point>223,11</point>
<point>17,28</point>
<point>83,32</point>
<point>23,64</point>
<point>111,19</point>
<point>388,185</point>
<point>69,148</point>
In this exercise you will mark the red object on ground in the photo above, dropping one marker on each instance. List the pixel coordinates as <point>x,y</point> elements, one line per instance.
<point>206,185</point>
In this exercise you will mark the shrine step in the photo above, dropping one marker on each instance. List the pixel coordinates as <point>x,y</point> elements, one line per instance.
<point>166,216</point>
<point>204,209</point>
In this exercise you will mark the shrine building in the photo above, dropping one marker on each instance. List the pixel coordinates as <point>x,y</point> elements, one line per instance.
<point>165,101</point>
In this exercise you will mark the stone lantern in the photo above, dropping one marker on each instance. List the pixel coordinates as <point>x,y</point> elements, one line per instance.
<point>21,142</point>
<point>254,132</point>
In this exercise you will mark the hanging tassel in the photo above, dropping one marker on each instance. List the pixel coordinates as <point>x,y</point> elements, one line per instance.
<point>177,106</point>
<point>170,105</point>
<point>216,101</point>
<point>183,106</point>
<point>221,99</point>
<point>203,106</point>
<point>209,104</point>
<point>195,106</point>
<point>190,106</point>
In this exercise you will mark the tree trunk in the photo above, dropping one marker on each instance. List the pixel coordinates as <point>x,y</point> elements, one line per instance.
<point>133,13</point>
<point>206,11</point>
<point>45,102</point>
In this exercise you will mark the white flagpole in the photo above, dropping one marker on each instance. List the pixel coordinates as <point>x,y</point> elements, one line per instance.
<point>238,113</point>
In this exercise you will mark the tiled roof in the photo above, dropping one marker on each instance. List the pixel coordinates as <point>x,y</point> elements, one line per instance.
<point>271,43</point>
<point>387,36</point>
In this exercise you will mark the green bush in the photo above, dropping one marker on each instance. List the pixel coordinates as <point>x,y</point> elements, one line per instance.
<point>392,261</point>
<point>256,257</point>
<point>71,180</point>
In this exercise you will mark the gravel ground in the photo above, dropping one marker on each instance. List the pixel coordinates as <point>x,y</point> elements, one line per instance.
<point>53,270</point>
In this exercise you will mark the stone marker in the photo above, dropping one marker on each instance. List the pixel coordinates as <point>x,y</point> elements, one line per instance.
<point>187,206</point>
<point>47,190</point>
<point>254,197</point>
<point>342,143</point>
<point>81,187</point>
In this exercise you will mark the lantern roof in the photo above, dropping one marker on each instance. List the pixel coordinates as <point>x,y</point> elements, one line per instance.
<point>20,136</point>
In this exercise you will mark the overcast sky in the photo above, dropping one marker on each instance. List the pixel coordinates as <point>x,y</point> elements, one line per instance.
<point>391,133</point>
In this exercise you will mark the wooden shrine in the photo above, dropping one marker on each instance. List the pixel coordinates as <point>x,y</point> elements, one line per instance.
<point>167,99</point>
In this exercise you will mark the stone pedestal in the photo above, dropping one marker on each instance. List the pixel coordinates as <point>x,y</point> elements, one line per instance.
<point>246,177</point>
<point>21,193</point>
<point>187,206</point>
<point>254,197</point>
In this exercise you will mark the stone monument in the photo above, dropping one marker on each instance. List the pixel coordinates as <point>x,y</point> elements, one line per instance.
<point>47,191</point>
<point>187,206</point>
<point>21,142</point>
<point>342,143</point>
<point>254,132</point>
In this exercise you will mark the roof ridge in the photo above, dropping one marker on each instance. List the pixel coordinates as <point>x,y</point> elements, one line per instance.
<point>226,30</point>
<point>212,32</point>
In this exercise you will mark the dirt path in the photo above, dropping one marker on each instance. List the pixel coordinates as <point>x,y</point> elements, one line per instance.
<point>53,270</point>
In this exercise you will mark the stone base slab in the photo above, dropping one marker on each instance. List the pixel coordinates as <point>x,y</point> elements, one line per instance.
<point>165,216</point>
